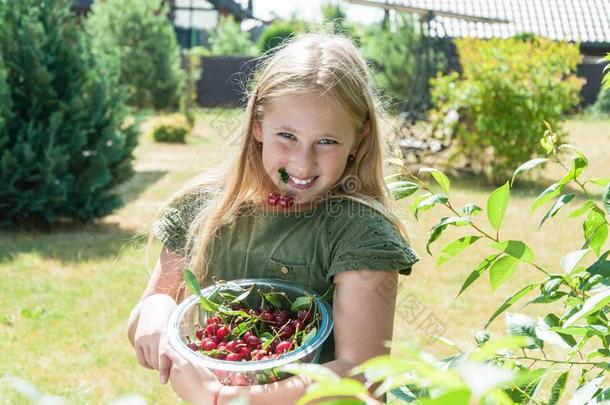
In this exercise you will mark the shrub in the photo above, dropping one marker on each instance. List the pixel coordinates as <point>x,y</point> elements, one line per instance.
<point>507,88</point>
<point>136,42</point>
<point>278,32</point>
<point>227,39</point>
<point>602,104</point>
<point>64,147</point>
<point>171,133</point>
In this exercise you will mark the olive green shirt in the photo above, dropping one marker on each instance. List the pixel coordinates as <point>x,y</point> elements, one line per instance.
<point>307,248</point>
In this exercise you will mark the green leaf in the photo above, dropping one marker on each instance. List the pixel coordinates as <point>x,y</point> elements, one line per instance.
<point>516,249</point>
<point>601,266</point>
<point>456,247</point>
<point>579,163</point>
<point>527,166</point>
<point>402,189</point>
<point>510,301</point>
<point>484,265</point>
<point>284,177</point>
<point>606,198</point>
<point>381,367</point>
<point>416,200</point>
<point>601,181</point>
<point>522,325</point>
<point>471,209</point>
<point>273,299</point>
<point>241,297</point>
<point>569,261</point>
<point>208,305</point>
<point>438,229</point>
<point>496,205</point>
<point>453,397</point>
<point>191,281</point>
<point>582,209</point>
<point>551,192</point>
<point>431,202</point>
<point>561,201</point>
<point>344,387</point>
<point>439,176</point>
<point>596,230</point>
<point>501,270</point>
<point>592,304</point>
<point>303,302</point>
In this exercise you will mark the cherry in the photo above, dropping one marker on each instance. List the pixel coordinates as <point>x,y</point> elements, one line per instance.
<point>232,346</point>
<point>304,315</point>
<point>297,324</point>
<point>223,331</point>
<point>286,332</point>
<point>285,202</point>
<point>209,345</point>
<point>251,340</point>
<point>200,333</point>
<point>240,379</point>
<point>267,317</point>
<point>193,346</point>
<point>244,352</point>
<point>213,319</point>
<point>211,329</point>
<point>233,357</point>
<point>283,347</point>
<point>222,346</point>
<point>282,317</point>
<point>273,198</point>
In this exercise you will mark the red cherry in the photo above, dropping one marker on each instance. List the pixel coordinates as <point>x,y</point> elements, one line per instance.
<point>283,347</point>
<point>222,346</point>
<point>223,331</point>
<point>244,352</point>
<point>267,317</point>
<point>286,332</point>
<point>272,199</point>
<point>200,333</point>
<point>304,315</point>
<point>213,320</point>
<point>233,357</point>
<point>211,329</point>
<point>209,345</point>
<point>252,340</point>
<point>297,324</point>
<point>240,379</point>
<point>232,346</point>
<point>193,346</point>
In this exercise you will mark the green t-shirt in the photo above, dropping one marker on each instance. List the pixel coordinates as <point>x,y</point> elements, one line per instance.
<point>307,248</point>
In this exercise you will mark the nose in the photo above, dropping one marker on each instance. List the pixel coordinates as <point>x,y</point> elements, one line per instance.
<point>304,161</point>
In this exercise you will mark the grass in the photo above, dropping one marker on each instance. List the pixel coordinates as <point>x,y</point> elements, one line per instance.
<point>65,295</point>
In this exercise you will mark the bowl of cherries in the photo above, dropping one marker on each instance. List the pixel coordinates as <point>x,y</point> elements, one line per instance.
<point>245,330</point>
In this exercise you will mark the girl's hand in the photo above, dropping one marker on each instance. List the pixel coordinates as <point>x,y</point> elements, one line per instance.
<point>193,384</point>
<point>155,311</point>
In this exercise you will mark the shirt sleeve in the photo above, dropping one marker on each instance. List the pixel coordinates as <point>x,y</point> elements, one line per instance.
<point>367,240</point>
<point>173,224</point>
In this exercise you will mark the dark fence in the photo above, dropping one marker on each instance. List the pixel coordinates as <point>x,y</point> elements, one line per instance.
<point>224,80</point>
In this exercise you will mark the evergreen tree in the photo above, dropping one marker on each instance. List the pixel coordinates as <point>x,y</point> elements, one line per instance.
<point>63,148</point>
<point>135,40</point>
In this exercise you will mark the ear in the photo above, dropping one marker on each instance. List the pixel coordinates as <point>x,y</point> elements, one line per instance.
<point>257,130</point>
<point>366,129</point>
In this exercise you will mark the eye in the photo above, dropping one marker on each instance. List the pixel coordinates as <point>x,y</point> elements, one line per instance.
<point>286,135</point>
<point>328,141</point>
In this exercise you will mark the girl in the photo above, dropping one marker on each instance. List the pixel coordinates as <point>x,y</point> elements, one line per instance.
<point>314,117</point>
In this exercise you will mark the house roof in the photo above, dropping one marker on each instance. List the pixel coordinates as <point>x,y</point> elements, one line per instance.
<point>586,21</point>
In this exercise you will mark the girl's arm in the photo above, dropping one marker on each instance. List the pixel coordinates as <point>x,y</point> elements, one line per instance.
<point>363,308</point>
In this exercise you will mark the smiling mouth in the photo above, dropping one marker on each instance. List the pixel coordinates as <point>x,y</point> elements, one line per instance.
<point>301,184</point>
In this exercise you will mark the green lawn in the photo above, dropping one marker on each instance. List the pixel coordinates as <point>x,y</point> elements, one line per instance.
<point>65,295</point>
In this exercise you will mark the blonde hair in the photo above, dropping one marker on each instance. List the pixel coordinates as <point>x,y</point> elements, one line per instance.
<point>325,64</point>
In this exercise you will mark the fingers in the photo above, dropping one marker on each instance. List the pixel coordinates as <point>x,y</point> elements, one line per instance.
<point>165,364</point>
<point>154,357</point>
<point>142,357</point>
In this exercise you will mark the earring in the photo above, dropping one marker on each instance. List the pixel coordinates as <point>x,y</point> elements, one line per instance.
<point>351,158</point>
<point>260,145</point>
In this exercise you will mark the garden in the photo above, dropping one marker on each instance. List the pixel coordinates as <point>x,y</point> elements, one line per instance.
<point>98,119</point>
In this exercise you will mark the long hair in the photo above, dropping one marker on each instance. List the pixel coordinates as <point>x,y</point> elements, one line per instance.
<point>325,64</point>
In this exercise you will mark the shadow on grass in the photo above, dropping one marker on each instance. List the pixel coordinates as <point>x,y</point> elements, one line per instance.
<point>70,242</point>
<point>140,181</point>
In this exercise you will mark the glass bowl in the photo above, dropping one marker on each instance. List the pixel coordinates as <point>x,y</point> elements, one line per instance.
<point>184,320</point>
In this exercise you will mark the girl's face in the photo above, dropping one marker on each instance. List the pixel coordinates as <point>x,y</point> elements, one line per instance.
<point>310,138</point>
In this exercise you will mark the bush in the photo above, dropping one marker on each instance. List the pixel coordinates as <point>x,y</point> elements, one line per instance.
<point>397,53</point>
<point>508,87</point>
<point>136,42</point>
<point>63,146</point>
<point>602,104</point>
<point>171,133</point>
<point>278,32</point>
<point>227,39</point>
